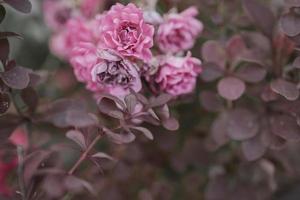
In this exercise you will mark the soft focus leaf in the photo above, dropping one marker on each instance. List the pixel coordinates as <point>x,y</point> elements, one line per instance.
<point>20,5</point>
<point>145,131</point>
<point>287,89</point>
<point>161,100</point>
<point>211,72</point>
<point>77,137</point>
<point>4,50</point>
<point>2,13</point>
<point>219,129</point>
<point>80,119</point>
<point>253,148</point>
<point>296,63</point>
<point>8,123</point>
<point>161,112</point>
<point>251,72</point>
<point>261,15</point>
<point>292,3</point>
<point>4,103</point>
<point>4,35</point>
<point>285,126</point>
<point>131,102</point>
<point>231,88</point>
<point>213,52</point>
<point>102,155</point>
<point>121,138</point>
<point>235,47</point>
<point>76,185</point>
<point>109,107</point>
<point>211,101</point>
<point>30,98</point>
<point>16,78</point>
<point>290,24</point>
<point>171,124</point>
<point>242,124</point>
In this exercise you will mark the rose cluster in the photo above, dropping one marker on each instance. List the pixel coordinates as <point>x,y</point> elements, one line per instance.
<point>113,51</point>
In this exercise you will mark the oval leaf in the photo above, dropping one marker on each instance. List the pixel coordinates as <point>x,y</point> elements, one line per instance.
<point>77,137</point>
<point>20,5</point>
<point>253,148</point>
<point>231,88</point>
<point>285,127</point>
<point>211,72</point>
<point>213,52</point>
<point>251,72</point>
<point>287,89</point>
<point>145,131</point>
<point>16,78</point>
<point>290,24</point>
<point>171,124</point>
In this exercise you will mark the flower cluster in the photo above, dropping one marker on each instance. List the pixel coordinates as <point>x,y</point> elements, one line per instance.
<point>109,51</point>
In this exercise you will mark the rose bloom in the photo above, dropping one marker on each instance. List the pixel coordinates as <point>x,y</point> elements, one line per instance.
<point>177,75</point>
<point>179,31</point>
<point>58,12</point>
<point>115,74</point>
<point>76,30</point>
<point>124,30</point>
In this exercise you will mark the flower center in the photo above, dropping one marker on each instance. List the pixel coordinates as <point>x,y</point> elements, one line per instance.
<point>127,33</point>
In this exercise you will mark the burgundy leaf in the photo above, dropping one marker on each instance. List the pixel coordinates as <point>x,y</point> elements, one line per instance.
<point>242,124</point>
<point>121,138</point>
<point>77,137</point>
<point>145,131</point>
<point>290,24</point>
<point>76,185</point>
<point>20,5</point>
<point>296,63</point>
<point>261,15</point>
<point>161,112</point>
<point>235,47</point>
<point>80,119</point>
<point>118,102</point>
<point>109,107</point>
<point>251,72</point>
<point>102,155</point>
<point>30,98</point>
<point>211,72</point>
<point>161,100</point>
<point>4,35</point>
<point>287,89</point>
<point>4,102</point>
<point>285,126</point>
<point>219,129</point>
<point>253,148</point>
<point>211,101</point>
<point>2,13</point>
<point>231,88</point>
<point>16,78</point>
<point>213,52</point>
<point>171,124</point>
<point>4,50</point>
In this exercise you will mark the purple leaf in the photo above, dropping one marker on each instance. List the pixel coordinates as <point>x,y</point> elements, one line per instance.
<point>231,88</point>
<point>145,131</point>
<point>20,5</point>
<point>4,50</point>
<point>171,124</point>
<point>253,148</point>
<point>219,129</point>
<point>285,127</point>
<point>242,124</point>
<point>290,24</point>
<point>213,52</point>
<point>121,138</point>
<point>292,3</point>
<point>287,89</point>
<point>16,78</point>
<point>261,15</point>
<point>30,98</point>
<point>161,112</point>
<point>131,102</point>
<point>211,101</point>
<point>110,107</point>
<point>4,103</point>
<point>161,100</point>
<point>296,63</point>
<point>251,72</point>
<point>2,13</point>
<point>80,119</point>
<point>76,185</point>
<point>77,137</point>
<point>8,123</point>
<point>211,72</point>
<point>102,155</point>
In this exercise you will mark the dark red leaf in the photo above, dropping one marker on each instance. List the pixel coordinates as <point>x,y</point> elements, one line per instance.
<point>4,50</point>
<point>219,129</point>
<point>242,124</point>
<point>30,98</point>
<point>253,148</point>
<point>20,5</point>
<point>121,138</point>
<point>261,15</point>
<point>235,47</point>
<point>16,78</point>
<point>76,185</point>
<point>211,101</point>
<point>211,72</point>
<point>80,119</point>
<point>77,137</point>
<point>251,72</point>
<point>287,89</point>
<point>171,124</point>
<point>231,88</point>
<point>145,131</point>
<point>4,103</point>
<point>161,100</point>
<point>285,127</point>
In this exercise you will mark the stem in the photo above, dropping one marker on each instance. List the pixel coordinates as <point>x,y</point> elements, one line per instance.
<point>84,154</point>
<point>20,172</point>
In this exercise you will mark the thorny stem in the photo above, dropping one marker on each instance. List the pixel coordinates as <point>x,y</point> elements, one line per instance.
<point>20,172</point>
<point>85,154</point>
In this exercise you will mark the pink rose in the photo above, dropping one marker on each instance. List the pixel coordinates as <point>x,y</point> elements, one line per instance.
<point>115,74</point>
<point>83,59</point>
<point>90,7</point>
<point>177,75</point>
<point>77,30</point>
<point>124,30</point>
<point>179,31</point>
